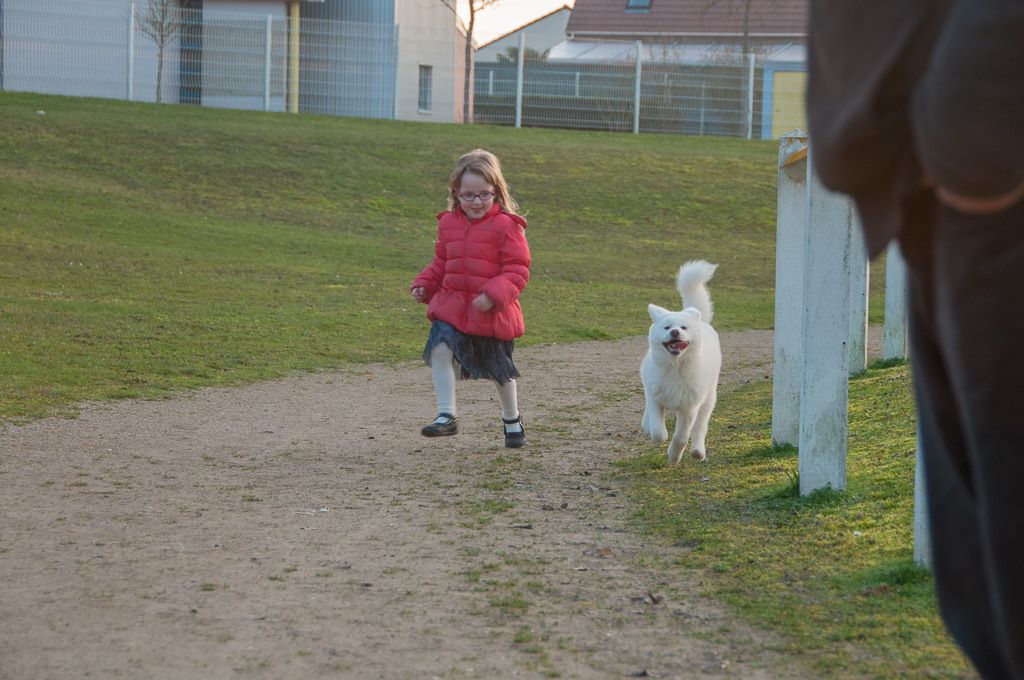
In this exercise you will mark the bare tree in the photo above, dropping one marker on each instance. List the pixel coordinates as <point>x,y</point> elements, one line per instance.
<point>467,91</point>
<point>161,21</point>
<point>734,7</point>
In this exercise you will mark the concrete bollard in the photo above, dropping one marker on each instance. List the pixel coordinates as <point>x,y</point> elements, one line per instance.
<point>825,333</point>
<point>820,338</point>
<point>860,283</point>
<point>790,225</point>
<point>922,539</point>
<point>894,344</point>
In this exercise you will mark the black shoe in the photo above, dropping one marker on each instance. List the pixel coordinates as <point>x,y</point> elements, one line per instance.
<point>445,428</point>
<point>514,440</point>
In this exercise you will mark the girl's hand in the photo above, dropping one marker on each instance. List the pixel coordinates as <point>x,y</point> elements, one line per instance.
<point>482,302</point>
<point>418,293</point>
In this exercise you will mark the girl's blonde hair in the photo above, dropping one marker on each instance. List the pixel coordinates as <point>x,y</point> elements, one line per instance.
<point>485,164</point>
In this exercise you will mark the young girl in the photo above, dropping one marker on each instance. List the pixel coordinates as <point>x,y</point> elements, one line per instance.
<point>481,264</point>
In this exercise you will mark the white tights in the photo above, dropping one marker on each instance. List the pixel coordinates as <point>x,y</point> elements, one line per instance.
<point>442,369</point>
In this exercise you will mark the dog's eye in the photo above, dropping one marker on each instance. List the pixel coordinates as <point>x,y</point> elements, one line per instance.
<point>682,328</point>
<point>667,327</point>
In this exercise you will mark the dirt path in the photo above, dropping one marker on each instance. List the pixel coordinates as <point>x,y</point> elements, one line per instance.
<point>303,528</point>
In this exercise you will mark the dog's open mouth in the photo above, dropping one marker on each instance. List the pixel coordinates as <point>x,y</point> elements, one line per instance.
<point>676,346</point>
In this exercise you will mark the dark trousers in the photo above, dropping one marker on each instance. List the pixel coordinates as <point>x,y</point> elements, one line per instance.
<point>967,360</point>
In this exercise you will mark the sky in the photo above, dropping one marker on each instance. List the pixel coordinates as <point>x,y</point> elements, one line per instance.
<point>508,15</point>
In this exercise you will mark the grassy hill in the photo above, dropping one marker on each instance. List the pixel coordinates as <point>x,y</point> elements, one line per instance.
<point>150,248</point>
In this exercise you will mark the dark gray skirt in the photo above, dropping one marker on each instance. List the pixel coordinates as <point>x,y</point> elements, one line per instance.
<point>477,356</point>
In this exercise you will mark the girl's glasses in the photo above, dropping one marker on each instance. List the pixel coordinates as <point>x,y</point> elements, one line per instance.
<point>483,196</point>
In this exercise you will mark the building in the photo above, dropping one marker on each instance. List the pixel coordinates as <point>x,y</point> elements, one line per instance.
<point>541,35</point>
<point>373,58</point>
<point>725,27</point>
<point>428,55</point>
<point>706,34</point>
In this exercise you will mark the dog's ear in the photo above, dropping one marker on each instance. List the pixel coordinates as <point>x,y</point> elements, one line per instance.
<point>657,312</point>
<point>692,311</point>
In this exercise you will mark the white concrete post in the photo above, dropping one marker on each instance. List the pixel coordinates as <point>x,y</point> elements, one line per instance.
<point>790,227</point>
<point>130,75</point>
<point>750,95</point>
<point>636,87</point>
<point>267,54</point>
<point>860,281</point>
<point>894,344</point>
<point>825,332</point>
<point>519,79</point>
<point>703,95</point>
<point>394,74</point>
<point>922,539</point>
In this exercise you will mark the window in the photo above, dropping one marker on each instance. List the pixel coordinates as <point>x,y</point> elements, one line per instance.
<point>638,5</point>
<point>426,76</point>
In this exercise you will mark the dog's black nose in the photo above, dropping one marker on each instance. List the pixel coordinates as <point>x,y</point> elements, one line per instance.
<point>674,332</point>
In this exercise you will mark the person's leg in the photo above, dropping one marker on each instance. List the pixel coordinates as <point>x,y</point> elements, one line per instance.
<point>515,434</point>
<point>979,325</point>
<point>509,400</point>
<point>442,371</point>
<point>960,584</point>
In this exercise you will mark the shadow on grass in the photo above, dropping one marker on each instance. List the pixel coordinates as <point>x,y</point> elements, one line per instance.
<point>786,496</point>
<point>902,572</point>
<point>773,451</point>
<point>654,459</point>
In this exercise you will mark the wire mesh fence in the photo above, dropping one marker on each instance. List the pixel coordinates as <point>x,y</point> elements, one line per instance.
<point>177,51</point>
<point>47,49</point>
<point>348,68</point>
<point>738,98</point>
<point>169,51</point>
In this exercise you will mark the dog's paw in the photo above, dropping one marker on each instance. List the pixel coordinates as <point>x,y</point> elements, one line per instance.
<point>659,435</point>
<point>697,454</point>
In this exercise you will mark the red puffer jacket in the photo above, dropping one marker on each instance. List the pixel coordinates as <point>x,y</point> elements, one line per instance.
<point>489,255</point>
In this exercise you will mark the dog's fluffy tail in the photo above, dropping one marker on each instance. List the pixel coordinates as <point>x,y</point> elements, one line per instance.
<point>691,282</point>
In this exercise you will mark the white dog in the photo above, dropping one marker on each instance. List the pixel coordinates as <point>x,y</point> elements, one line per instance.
<point>681,367</point>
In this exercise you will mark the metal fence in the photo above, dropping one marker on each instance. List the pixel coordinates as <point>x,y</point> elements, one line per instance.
<point>172,51</point>
<point>152,50</point>
<point>739,98</point>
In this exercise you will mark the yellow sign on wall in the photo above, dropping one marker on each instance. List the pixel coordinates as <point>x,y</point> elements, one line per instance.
<point>788,101</point>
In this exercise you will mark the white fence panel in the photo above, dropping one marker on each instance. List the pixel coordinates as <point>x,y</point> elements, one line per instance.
<point>348,68</point>
<point>642,90</point>
<point>221,59</point>
<point>234,65</point>
<point>49,50</point>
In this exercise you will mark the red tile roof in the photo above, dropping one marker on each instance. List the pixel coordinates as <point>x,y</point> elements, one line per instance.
<point>689,17</point>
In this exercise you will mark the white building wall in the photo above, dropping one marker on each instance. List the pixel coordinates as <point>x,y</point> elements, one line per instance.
<point>428,35</point>
<point>261,7</point>
<point>541,35</point>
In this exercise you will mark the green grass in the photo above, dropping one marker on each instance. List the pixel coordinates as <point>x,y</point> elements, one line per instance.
<point>148,249</point>
<point>832,572</point>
